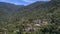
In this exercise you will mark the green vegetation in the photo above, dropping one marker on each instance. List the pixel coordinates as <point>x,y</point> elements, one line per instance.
<point>26,20</point>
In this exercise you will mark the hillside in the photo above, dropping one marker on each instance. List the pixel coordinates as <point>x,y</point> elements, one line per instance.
<point>6,9</point>
<point>37,18</point>
<point>37,10</point>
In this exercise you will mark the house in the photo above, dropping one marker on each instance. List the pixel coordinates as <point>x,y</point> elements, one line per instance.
<point>43,24</point>
<point>28,27</point>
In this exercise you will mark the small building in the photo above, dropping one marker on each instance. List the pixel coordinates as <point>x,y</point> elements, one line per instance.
<point>28,27</point>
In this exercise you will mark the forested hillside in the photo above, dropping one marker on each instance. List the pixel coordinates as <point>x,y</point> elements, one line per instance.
<point>37,18</point>
<point>47,10</point>
<point>6,10</point>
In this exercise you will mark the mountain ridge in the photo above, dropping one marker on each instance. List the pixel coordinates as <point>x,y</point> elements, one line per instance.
<point>34,9</point>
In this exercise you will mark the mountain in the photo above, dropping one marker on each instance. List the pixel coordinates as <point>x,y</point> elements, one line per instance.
<point>10,7</point>
<point>39,9</point>
<point>15,19</point>
<point>6,9</point>
<point>14,13</point>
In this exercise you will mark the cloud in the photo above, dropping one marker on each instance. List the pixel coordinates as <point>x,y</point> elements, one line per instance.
<point>30,1</point>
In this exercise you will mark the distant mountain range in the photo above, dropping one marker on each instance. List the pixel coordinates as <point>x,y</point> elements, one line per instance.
<point>10,7</point>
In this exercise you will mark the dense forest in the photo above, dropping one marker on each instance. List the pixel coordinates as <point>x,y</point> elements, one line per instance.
<point>37,18</point>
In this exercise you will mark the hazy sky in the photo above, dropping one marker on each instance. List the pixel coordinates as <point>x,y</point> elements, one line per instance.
<point>21,2</point>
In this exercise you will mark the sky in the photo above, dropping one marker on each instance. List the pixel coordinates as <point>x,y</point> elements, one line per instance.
<point>21,2</point>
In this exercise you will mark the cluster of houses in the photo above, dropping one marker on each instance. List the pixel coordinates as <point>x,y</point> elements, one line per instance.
<point>41,23</point>
<point>36,23</point>
<point>31,26</point>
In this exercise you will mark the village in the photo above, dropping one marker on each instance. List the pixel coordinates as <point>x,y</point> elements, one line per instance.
<point>29,27</point>
<point>35,25</point>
